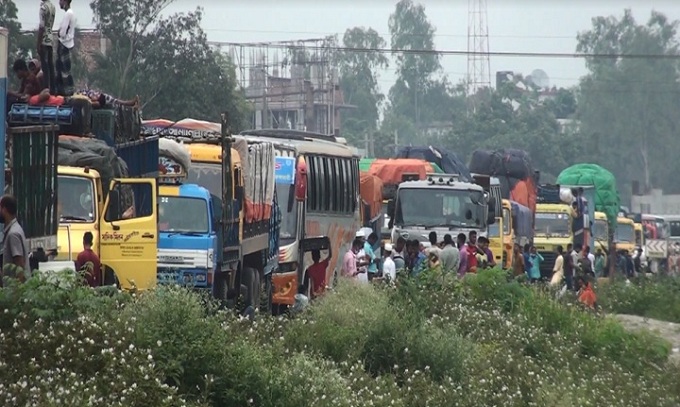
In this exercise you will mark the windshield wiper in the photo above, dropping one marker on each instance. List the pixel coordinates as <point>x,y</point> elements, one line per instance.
<point>76,218</point>
<point>185,234</point>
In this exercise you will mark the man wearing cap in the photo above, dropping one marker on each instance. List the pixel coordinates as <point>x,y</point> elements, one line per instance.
<point>389,267</point>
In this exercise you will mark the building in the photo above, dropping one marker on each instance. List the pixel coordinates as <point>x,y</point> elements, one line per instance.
<point>307,99</point>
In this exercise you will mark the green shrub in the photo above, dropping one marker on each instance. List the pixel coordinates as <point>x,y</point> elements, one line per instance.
<point>656,297</point>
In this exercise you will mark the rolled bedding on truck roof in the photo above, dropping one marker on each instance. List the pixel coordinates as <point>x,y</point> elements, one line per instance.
<point>168,148</point>
<point>258,161</point>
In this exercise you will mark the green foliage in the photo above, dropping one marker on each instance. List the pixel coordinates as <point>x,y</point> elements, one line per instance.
<point>431,341</point>
<point>630,103</point>
<point>647,297</point>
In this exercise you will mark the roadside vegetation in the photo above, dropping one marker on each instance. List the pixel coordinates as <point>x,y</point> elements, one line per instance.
<point>656,297</point>
<point>431,342</point>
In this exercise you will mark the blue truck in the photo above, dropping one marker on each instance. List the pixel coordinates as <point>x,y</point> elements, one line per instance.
<point>218,217</point>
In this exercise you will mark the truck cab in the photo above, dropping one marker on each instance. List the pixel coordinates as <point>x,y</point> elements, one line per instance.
<point>625,234</point>
<point>601,232</point>
<point>443,204</point>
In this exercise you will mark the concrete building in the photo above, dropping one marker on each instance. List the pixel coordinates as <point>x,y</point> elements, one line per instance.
<point>306,100</point>
<point>656,203</point>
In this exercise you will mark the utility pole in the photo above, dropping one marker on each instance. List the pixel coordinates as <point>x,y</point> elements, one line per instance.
<point>4,56</point>
<point>396,142</point>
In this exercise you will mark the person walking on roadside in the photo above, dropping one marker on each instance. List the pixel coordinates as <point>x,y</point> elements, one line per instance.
<point>64,80</point>
<point>518,267</point>
<point>88,262</point>
<point>389,266</point>
<point>599,263</point>
<point>569,267</point>
<point>462,252</point>
<point>450,256</point>
<point>46,44</point>
<point>349,261</point>
<point>527,260</point>
<point>536,259</point>
<point>15,262</point>
<point>558,268</point>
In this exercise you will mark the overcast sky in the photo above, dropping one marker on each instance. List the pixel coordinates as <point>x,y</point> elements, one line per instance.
<point>514,26</point>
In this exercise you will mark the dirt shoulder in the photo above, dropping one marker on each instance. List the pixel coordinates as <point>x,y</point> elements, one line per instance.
<point>668,330</point>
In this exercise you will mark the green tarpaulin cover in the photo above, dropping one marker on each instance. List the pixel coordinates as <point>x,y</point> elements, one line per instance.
<point>365,164</point>
<point>606,195</point>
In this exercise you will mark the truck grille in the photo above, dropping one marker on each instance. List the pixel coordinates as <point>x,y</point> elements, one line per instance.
<point>548,262</point>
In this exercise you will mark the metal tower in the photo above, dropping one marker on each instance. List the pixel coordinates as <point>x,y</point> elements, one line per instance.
<point>478,65</point>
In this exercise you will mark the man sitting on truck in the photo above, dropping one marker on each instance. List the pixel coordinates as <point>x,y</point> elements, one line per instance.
<point>30,85</point>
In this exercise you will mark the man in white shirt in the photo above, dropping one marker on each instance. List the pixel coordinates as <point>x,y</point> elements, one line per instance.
<point>389,268</point>
<point>67,30</point>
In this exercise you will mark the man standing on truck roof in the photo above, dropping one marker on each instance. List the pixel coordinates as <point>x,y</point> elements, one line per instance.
<point>88,262</point>
<point>14,246</point>
<point>45,44</point>
<point>67,29</point>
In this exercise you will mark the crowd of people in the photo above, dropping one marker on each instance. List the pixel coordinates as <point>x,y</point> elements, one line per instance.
<point>466,255</point>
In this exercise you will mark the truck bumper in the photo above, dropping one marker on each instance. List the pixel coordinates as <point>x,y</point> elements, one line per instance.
<point>186,277</point>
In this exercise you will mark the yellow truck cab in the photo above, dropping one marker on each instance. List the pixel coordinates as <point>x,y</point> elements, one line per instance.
<point>119,211</point>
<point>639,235</point>
<point>601,232</point>
<point>500,234</point>
<point>552,228</point>
<point>625,234</point>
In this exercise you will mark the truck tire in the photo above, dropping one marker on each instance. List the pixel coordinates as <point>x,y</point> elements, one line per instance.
<point>266,304</point>
<point>110,277</point>
<point>250,277</point>
<point>220,287</point>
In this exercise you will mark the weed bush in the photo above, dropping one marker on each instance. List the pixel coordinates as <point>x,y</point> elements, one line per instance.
<point>433,341</point>
<point>656,297</point>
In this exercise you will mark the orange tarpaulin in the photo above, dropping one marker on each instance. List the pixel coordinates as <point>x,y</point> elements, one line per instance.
<point>390,171</point>
<point>524,193</point>
<point>371,192</point>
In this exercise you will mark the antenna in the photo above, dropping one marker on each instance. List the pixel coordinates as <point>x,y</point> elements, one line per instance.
<point>478,64</point>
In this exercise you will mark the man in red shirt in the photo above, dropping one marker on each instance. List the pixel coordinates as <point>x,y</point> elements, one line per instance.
<point>317,272</point>
<point>88,262</point>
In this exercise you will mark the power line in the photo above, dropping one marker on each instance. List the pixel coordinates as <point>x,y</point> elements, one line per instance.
<point>510,54</point>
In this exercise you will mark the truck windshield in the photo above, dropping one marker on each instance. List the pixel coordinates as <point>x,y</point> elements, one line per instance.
<point>600,230</point>
<point>553,224</point>
<point>433,207</point>
<point>494,230</point>
<point>209,176</point>
<point>76,203</point>
<point>182,215</point>
<point>285,195</point>
<point>625,233</point>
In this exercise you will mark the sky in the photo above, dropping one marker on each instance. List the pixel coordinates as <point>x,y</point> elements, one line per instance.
<point>513,26</point>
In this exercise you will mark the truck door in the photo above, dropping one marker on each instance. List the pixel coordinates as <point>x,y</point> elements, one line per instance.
<point>129,232</point>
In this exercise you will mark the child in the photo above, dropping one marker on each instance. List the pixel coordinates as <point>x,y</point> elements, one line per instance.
<point>586,295</point>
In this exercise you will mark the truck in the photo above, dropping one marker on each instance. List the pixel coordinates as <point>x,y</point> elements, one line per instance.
<point>624,236</point>
<point>655,235</point>
<point>557,223</point>
<point>97,185</point>
<point>515,226</point>
<point>219,219</point>
<point>441,203</point>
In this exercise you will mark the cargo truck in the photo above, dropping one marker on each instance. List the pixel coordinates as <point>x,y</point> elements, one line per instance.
<point>219,217</point>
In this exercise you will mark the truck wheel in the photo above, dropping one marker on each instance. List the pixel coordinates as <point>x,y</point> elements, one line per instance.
<point>251,279</point>
<point>110,277</point>
<point>220,287</point>
<point>266,304</point>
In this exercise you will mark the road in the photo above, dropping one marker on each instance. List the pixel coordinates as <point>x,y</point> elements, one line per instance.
<point>667,330</point>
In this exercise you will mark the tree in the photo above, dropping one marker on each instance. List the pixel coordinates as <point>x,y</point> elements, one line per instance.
<point>165,60</point>
<point>418,98</point>
<point>628,106</point>
<point>359,81</point>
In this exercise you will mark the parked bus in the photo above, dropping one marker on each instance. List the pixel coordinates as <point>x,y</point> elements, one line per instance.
<point>326,205</point>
